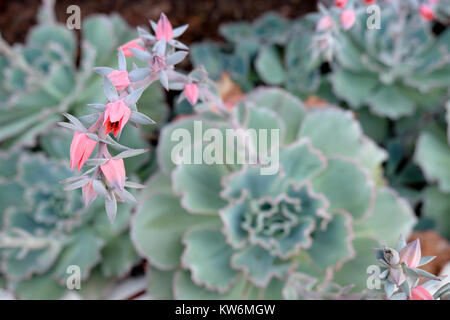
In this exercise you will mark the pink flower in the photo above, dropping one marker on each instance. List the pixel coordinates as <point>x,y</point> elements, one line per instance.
<point>411,254</point>
<point>324,23</point>
<point>80,149</point>
<point>191,93</point>
<point>89,195</point>
<point>116,116</point>
<point>131,44</point>
<point>164,28</point>
<point>420,293</point>
<point>340,3</point>
<point>426,12</point>
<point>114,172</point>
<point>348,19</point>
<point>119,79</point>
<point>369,1</point>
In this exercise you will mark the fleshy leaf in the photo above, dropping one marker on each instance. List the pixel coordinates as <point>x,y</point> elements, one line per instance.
<point>119,256</point>
<point>334,132</point>
<point>289,108</point>
<point>269,67</point>
<point>391,102</point>
<point>185,288</point>
<point>38,288</point>
<point>83,251</point>
<point>346,187</point>
<point>200,187</point>
<point>390,217</point>
<point>259,265</point>
<point>353,272</point>
<point>160,284</point>
<point>158,227</point>
<point>437,207</point>
<point>353,87</point>
<point>208,256</point>
<point>300,162</point>
<point>338,233</point>
<point>433,156</point>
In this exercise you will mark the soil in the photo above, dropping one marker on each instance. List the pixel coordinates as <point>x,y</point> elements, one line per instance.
<point>203,16</point>
<point>432,244</point>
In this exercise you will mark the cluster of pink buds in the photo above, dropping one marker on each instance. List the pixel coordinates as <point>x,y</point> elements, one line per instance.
<point>348,16</point>
<point>340,17</point>
<point>123,88</point>
<point>402,277</point>
<point>426,10</point>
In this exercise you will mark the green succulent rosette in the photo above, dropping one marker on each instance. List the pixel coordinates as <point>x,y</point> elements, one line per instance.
<point>44,230</point>
<point>42,78</point>
<point>224,231</point>
<point>398,69</point>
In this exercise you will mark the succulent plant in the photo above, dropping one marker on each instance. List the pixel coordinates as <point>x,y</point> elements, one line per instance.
<point>41,78</point>
<point>442,11</point>
<point>45,230</point>
<point>271,50</point>
<point>396,70</point>
<point>224,231</point>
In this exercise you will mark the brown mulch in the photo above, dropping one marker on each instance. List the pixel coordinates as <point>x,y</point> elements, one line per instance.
<point>432,244</point>
<point>203,16</point>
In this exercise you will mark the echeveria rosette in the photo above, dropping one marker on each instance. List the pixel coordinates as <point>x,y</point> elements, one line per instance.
<point>395,76</point>
<point>227,232</point>
<point>272,50</point>
<point>45,229</point>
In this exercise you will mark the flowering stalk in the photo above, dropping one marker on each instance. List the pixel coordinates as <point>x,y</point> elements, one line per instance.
<point>401,276</point>
<point>159,52</point>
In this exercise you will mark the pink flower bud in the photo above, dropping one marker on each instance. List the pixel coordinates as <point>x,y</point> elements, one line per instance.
<point>164,28</point>
<point>116,116</point>
<point>426,12</point>
<point>348,19</point>
<point>420,293</point>
<point>340,3</point>
<point>157,63</point>
<point>324,23</point>
<point>191,93</point>
<point>114,172</point>
<point>411,254</point>
<point>131,44</point>
<point>89,195</point>
<point>369,1</point>
<point>80,149</point>
<point>119,79</point>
